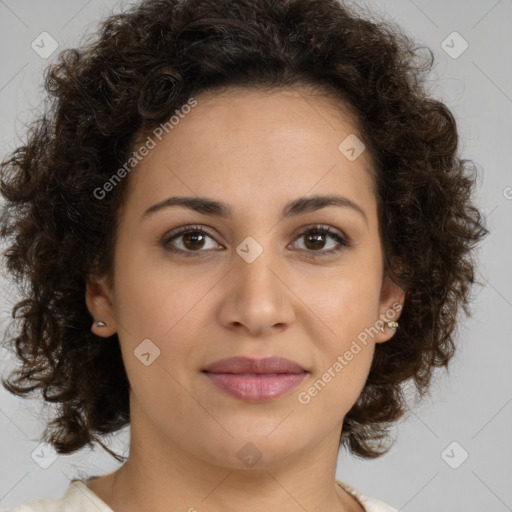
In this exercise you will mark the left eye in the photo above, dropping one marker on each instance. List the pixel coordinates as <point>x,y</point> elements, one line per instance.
<point>317,236</point>
<point>193,240</point>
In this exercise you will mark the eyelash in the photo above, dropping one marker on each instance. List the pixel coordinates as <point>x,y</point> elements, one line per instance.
<point>318,229</point>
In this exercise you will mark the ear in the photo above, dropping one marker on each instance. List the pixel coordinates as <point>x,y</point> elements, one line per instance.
<point>391,303</point>
<point>98,298</point>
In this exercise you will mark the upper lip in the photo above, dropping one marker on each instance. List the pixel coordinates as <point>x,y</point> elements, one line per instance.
<point>250,365</point>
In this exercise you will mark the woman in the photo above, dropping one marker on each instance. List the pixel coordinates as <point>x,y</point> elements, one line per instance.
<point>244,226</point>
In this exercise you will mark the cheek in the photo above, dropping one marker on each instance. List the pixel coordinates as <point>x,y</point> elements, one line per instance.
<point>345,356</point>
<point>344,303</point>
<point>348,308</point>
<point>152,297</point>
<point>153,311</point>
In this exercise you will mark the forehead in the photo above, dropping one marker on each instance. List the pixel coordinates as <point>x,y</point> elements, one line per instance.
<point>240,141</point>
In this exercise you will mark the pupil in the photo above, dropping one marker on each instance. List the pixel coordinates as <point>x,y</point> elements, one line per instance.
<point>187,238</point>
<point>314,237</point>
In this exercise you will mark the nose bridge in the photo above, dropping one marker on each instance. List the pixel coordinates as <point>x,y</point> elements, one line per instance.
<point>256,269</point>
<point>258,294</point>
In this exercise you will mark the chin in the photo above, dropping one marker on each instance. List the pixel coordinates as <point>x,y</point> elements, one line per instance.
<point>254,452</point>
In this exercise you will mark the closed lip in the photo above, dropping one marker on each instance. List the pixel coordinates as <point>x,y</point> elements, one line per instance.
<point>255,379</point>
<point>248,365</point>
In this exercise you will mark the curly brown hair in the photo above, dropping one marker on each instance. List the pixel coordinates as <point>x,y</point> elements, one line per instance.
<point>144,64</point>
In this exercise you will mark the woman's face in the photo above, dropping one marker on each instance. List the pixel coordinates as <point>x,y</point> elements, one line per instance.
<point>260,282</point>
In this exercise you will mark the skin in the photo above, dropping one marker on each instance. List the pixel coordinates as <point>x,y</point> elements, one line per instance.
<point>255,151</point>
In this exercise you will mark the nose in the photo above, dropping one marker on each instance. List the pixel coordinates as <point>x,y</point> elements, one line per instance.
<point>257,299</point>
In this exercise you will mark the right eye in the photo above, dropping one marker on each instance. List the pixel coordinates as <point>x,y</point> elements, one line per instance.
<point>193,240</point>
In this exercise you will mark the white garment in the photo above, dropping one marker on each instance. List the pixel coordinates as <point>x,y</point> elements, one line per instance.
<point>79,498</point>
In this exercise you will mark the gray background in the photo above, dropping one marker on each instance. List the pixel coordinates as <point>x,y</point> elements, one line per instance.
<point>471,405</point>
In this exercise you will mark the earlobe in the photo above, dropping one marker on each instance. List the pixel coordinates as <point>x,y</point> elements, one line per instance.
<point>98,299</point>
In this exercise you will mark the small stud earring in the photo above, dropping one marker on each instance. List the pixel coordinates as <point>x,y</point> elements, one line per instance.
<point>391,324</point>
<point>99,323</point>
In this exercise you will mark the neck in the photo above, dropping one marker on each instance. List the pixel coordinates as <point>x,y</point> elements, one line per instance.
<point>160,474</point>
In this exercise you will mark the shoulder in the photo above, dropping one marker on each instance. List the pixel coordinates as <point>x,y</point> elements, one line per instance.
<point>369,504</point>
<point>78,498</point>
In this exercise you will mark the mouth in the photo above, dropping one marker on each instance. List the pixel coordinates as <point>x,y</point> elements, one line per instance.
<point>255,380</point>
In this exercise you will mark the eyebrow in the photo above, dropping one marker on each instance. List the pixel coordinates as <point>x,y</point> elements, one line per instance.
<point>299,206</point>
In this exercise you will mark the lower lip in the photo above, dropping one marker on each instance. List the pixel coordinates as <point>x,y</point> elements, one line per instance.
<point>256,387</point>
